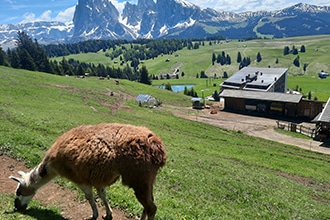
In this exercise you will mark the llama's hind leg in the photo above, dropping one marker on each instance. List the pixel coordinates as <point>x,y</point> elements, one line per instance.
<point>88,191</point>
<point>145,197</point>
<point>102,194</point>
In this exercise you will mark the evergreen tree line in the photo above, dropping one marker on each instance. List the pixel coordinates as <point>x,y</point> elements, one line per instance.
<point>294,50</point>
<point>225,59</point>
<point>31,56</point>
<point>222,59</point>
<point>141,49</point>
<point>190,92</point>
<point>243,62</point>
<point>55,50</point>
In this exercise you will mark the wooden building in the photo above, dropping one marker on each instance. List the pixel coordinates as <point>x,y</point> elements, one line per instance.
<point>270,103</point>
<point>322,121</point>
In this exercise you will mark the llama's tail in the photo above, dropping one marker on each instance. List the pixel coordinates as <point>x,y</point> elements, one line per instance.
<point>158,153</point>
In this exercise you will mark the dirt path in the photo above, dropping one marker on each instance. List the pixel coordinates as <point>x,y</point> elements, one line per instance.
<point>250,125</point>
<point>51,194</point>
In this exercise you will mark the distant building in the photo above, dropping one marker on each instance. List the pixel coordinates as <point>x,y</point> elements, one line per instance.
<point>323,75</point>
<point>146,100</point>
<point>323,123</point>
<point>197,103</point>
<point>257,79</point>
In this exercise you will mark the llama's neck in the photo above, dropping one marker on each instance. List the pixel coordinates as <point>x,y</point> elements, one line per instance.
<point>39,176</point>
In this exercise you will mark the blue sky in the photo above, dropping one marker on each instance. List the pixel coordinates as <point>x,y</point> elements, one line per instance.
<point>17,11</point>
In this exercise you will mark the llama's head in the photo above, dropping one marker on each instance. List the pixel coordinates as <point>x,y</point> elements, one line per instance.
<point>24,191</point>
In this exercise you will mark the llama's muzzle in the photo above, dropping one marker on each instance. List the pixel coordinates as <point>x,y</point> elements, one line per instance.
<point>19,206</point>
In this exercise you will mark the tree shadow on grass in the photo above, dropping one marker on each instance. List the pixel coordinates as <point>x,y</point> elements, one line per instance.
<point>39,213</point>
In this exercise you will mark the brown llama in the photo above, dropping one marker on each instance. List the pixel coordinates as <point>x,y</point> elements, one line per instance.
<point>96,156</point>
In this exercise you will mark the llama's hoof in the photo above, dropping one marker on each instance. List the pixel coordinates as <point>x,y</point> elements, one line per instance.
<point>107,217</point>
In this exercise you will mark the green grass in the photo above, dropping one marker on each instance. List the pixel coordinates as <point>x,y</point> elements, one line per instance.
<point>211,173</point>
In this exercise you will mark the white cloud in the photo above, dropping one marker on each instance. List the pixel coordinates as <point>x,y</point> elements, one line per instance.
<point>252,5</point>
<point>31,17</point>
<point>46,15</point>
<point>66,15</point>
<point>119,5</point>
<point>28,17</point>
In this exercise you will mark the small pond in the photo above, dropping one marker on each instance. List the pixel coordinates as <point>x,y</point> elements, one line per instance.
<point>177,88</point>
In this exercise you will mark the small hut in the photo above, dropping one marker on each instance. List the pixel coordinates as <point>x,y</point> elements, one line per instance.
<point>197,103</point>
<point>322,121</point>
<point>146,100</point>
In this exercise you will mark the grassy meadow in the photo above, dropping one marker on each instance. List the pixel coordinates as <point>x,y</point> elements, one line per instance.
<point>192,62</point>
<point>211,173</point>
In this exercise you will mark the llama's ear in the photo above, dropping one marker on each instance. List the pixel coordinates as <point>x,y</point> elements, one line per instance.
<point>16,179</point>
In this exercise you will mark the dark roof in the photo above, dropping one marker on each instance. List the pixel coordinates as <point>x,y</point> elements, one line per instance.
<point>269,96</point>
<point>254,78</point>
<point>324,116</point>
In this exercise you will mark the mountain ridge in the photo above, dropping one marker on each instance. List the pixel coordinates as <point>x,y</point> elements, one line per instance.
<point>100,19</point>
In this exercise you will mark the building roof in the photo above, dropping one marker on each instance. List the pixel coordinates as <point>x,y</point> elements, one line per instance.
<point>324,116</point>
<point>196,99</point>
<point>144,98</point>
<point>259,95</point>
<point>254,78</point>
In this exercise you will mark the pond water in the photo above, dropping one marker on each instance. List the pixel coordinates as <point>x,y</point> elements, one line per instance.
<point>177,88</point>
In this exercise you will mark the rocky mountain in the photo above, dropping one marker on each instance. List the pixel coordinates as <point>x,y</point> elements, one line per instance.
<point>45,32</point>
<point>99,19</point>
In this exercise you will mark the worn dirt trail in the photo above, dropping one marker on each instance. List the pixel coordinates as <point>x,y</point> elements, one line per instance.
<point>250,125</point>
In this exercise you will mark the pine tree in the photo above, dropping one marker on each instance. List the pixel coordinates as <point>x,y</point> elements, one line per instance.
<point>259,57</point>
<point>213,58</point>
<point>144,76</point>
<point>26,61</point>
<point>296,62</point>
<point>302,49</point>
<point>216,96</point>
<point>239,57</point>
<point>3,58</point>
<point>228,60</point>
<point>286,50</point>
<point>305,67</point>
<point>168,87</point>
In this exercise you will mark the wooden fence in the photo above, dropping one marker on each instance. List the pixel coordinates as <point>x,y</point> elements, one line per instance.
<point>293,127</point>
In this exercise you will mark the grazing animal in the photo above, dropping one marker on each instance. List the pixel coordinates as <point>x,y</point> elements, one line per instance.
<point>96,156</point>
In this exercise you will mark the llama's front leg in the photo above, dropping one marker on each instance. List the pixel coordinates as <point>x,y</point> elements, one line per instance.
<point>102,194</point>
<point>88,191</point>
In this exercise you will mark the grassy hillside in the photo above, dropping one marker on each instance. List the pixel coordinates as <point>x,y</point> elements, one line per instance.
<point>192,62</point>
<point>211,173</point>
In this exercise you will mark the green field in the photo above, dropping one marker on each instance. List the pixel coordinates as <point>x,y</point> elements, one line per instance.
<point>192,62</point>
<point>211,173</point>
